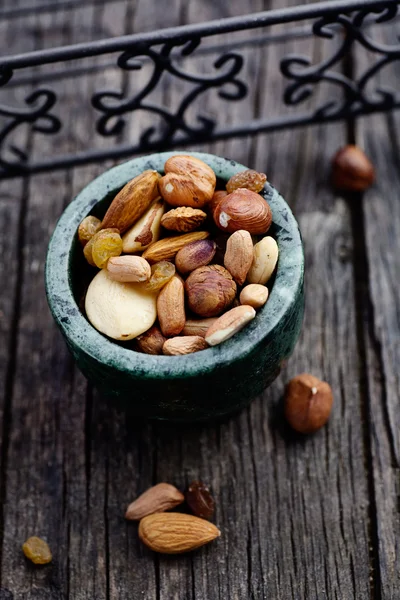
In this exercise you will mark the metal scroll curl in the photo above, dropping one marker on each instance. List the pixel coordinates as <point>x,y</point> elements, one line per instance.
<point>113,105</point>
<point>349,30</point>
<point>38,115</point>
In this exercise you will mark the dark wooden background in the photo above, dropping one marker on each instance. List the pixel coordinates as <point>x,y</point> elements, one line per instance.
<point>301,518</point>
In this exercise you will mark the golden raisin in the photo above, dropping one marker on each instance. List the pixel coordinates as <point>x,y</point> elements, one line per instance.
<point>161,273</point>
<point>105,244</point>
<point>86,230</point>
<point>87,251</point>
<point>249,179</point>
<point>37,550</point>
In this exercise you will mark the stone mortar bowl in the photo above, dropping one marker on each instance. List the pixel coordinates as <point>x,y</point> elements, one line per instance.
<point>205,385</point>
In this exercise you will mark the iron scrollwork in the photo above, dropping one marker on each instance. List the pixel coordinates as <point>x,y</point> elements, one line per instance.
<point>112,122</point>
<point>345,22</point>
<point>38,116</point>
<point>356,100</point>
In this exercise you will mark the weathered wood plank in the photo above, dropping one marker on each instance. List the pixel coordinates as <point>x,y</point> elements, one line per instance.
<point>381,220</point>
<point>48,492</point>
<point>13,200</point>
<point>293,512</point>
<point>377,227</point>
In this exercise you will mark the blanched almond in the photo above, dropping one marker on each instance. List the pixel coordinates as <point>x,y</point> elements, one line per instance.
<point>254,295</point>
<point>264,262</point>
<point>229,323</point>
<point>128,269</point>
<point>121,311</point>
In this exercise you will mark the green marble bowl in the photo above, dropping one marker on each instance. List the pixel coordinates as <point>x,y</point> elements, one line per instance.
<point>208,384</point>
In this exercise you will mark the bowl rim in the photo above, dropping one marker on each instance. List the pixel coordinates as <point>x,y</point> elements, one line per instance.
<point>81,334</point>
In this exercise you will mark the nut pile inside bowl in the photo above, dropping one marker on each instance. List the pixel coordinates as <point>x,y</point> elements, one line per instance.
<point>183,266</point>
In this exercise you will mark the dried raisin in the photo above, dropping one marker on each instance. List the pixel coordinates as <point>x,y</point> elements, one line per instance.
<point>200,501</point>
<point>87,229</point>
<point>105,244</point>
<point>249,179</point>
<point>161,273</point>
<point>37,550</point>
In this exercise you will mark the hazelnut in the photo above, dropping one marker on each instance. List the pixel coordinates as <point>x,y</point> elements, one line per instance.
<point>243,209</point>
<point>210,290</point>
<point>215,200</point>
<point>151,341</point>
<point>188,181</point>
<point>308,403</point>
<point>352,170</point>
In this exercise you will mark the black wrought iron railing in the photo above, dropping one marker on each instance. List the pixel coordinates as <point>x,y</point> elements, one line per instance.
<point>349,23</point>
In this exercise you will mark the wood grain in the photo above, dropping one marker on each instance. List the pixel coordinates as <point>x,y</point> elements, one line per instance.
<point>301,517</point>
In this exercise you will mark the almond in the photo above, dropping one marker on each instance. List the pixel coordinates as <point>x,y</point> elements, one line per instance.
<point>171,307</point>
<point>128,269</point>
<point>121,311</point>
<point>151,341</point>
<point>229,323</point>
<point>264,262</point>
<point>158,498</point>
<point>198,327</point>
<point>183,219</point>
<point>184,345</point>
<point>196,254</point>
<point>188,181</point>
<point>254,295</point>
<point>167,248</point>
<point>243,209</point>
<point>239,255</point>
<point>146,230</point>
<point>131,202</point>
<point>174,533</point>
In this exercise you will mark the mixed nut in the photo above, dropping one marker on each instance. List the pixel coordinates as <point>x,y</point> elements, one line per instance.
<point>174,532</point>
<point>182,266</point>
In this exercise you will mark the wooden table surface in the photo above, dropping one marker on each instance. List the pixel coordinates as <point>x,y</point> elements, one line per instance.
<point>301,517</point>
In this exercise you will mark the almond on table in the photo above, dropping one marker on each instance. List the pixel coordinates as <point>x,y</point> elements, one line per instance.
<point>159,498</point>
<point>175,533</point>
